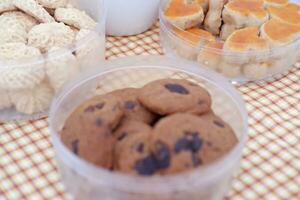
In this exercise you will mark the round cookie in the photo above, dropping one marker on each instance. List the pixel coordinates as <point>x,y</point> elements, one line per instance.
<point>184,141</point>
<point>100,110</point>
<point>89,141</point>
<point>132,108</point>
<point>130,127</point>
<point>132,155</point>
<point>168,96</point>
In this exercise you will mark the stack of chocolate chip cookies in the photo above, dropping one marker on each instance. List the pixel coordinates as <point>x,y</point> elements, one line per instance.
<point>166,127</point>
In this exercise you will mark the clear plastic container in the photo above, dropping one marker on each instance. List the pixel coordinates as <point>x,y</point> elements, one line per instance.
<point>31,96</point>
<point>240,67</point>
<point>86,181</point>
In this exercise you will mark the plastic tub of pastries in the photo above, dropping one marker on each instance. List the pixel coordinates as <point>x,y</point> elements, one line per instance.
<point>88,181</point>
<point>44,44</point>
<point>245,40</point>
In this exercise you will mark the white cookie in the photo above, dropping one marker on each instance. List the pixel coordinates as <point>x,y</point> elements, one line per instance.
<point>74,17</point>
<point>61,67</point>
<point>34,9</point>
<point>26,21</point>
<point>5,99</point>
<point>31,101</point>
<point>213,19</point>
<point>6,5</point>
<point>11,30</point>
<point>20,68</point>
<point>53,3</point>
<point>47,35</point>
<point>89,46</point>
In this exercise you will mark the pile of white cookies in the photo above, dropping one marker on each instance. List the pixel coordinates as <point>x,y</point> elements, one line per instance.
<point>39,50</point>
<point>238,38</point>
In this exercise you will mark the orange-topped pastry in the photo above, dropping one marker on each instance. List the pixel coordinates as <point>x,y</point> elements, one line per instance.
<point>211,54</point>
<point>184,13</point>
<point>244,13</point>
<point>277,32</point>
<point>226,30</point>
<point>245,39</point>
<point>195,35</point>
<point>276,3</point>
<point>290,13</point>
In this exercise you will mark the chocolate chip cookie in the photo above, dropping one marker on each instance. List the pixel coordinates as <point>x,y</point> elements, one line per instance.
<point>168,96</point>
<point>132,155</point>
<point>129,127</point>
<point>132,108</point>
<point>89,141</point>
<point>184,141</point>
<point>100,110</point>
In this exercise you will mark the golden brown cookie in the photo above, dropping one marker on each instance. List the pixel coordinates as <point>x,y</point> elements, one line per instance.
<point>132,108</point>
<point>167,96</point>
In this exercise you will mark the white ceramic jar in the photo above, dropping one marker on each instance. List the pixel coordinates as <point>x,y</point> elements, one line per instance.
<point>130,17</point>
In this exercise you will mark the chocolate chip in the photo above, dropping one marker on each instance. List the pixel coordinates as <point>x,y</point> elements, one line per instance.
<point>140,148</point>
<point>130,105</point>
<point>190,142</point>
<point>162,155</point>
<point>75,146</point>
<point>146,166</point>
<point>122,136</point>
<point>219,124</point>
<point>181,145</point>
<point>176,88</point>
<point>196,161</point>
<point>99,106</point>
<point>196,143</point>
<point>99,122</point>
<point>89,109</point>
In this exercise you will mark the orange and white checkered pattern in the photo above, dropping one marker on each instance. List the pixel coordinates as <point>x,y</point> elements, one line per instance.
<point>270,165</point>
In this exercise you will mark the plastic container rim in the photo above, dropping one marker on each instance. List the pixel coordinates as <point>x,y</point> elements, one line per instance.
<point>165,184</point>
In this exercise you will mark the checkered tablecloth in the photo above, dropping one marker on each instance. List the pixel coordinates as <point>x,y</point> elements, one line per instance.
<point>271,160</point>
